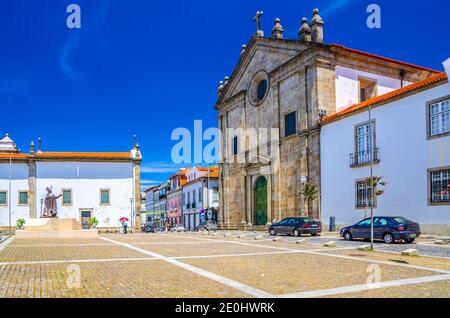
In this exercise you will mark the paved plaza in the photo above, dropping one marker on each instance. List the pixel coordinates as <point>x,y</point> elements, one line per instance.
<point>226,264</point>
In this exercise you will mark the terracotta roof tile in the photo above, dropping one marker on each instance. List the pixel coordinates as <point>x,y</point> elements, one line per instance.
<point>386,97</point>
<point>13,155</point>
<point>87,155</point>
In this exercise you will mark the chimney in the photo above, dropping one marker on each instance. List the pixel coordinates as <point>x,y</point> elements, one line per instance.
<point>305,31</point>
<point>277,30</point>
<point>316,25</point>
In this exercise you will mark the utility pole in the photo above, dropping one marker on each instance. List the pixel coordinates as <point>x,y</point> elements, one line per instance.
<point>371,177</point>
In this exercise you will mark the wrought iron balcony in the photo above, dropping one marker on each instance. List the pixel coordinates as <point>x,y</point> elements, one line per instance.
<point>363,158</point>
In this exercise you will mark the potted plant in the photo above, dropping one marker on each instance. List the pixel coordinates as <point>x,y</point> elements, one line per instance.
<point>93,222</point>
<point>20,223</point>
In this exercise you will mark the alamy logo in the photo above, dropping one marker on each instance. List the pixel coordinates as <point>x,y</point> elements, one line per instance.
<point>73,21</point>
<point>73,276</point>
<point>374,19</point>
<point>374,278</point>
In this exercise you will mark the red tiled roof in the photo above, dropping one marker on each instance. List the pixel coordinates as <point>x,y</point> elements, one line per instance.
<point>386,97</point>
<point>214,172</point>
<point>338,46</point>
<point>13,155</point>
<point>87,155</point>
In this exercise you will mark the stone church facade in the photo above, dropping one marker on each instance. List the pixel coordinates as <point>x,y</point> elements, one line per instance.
<point>269,112</point>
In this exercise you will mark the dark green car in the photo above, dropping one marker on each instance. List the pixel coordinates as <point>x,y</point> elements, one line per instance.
<point>296,226</point>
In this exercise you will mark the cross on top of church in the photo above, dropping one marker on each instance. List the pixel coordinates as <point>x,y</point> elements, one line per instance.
<point>257,19</point>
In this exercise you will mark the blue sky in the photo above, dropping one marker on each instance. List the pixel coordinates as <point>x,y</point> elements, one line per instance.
<point>151,67</point>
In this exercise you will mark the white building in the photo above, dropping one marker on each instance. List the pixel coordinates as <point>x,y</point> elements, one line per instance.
<point>200,196</point>
<point>104,185</point>
<point>411,142</point>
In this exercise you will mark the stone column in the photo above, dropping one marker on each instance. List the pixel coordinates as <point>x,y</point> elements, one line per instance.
<point>137,193</point>
<point>269,198</point>
<point>249,198</point>
<point>32,189</point>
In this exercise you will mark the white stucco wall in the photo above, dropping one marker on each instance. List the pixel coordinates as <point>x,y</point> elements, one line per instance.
<point>347,87</point>
<point>405,155</point>
<point>86,180</point>
<point>19,182</point>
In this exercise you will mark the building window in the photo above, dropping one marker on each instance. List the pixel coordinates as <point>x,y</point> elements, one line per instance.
<point>440,186</point>
<point>193,196</point>
<point>3,198</point>
<point>66,197</point>
<point>439,117</point>
<point>290,124</point>
<point>364,194</point>
<point>200,195</point>
<point>235,145</point>
<point>259,88</point>
<point>367,89</point>
<point>363,143</point>
<point>262,89</point>
<point>104,197</point>
<point>23,197</point>
<point>215,195</point>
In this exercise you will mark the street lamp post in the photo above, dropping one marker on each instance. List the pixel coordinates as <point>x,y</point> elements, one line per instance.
<point>131,212</point>
<point>371,178</point>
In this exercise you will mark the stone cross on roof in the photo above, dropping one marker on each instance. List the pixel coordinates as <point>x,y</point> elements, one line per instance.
<point>257,19</point>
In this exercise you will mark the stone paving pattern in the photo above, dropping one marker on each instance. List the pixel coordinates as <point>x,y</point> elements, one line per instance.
<point>111,270</point>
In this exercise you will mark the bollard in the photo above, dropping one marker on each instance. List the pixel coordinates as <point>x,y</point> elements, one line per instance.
<point>332,227</point>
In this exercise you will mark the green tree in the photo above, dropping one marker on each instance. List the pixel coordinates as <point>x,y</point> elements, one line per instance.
<point>309,194</point>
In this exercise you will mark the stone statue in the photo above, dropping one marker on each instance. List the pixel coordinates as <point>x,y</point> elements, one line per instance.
<point>50,208</point>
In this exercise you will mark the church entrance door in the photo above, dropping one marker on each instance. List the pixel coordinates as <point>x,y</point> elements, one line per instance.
<point>261,201</point>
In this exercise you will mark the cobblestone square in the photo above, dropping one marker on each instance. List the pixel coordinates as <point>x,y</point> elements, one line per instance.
<point>227,264</point>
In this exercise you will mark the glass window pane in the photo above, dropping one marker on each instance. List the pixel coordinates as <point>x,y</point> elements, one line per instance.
<point>67,197</point>
<point>290,123</point>
<point>23,198</point>
<point>105,196</point>
<point>3,197</point>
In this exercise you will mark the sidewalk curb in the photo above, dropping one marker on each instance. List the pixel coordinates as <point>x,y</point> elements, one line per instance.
<point>6,242</point>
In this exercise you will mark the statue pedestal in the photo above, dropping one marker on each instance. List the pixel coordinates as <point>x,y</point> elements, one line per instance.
<point>54,228</point>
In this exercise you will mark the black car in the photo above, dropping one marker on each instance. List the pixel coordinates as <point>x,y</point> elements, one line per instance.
<point>386,228</point>
<point>296,226</point>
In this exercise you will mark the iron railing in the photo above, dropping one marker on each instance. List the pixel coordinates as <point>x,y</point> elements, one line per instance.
<point>364,158</point>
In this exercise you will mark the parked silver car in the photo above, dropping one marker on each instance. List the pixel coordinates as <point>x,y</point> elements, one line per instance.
<point>208,226</point>
<point>178,228</point>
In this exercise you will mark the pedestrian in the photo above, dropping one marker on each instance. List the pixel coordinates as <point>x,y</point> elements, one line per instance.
<point>125,225</point>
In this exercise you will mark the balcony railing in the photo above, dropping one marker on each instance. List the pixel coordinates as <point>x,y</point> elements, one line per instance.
<point>363,158</point>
